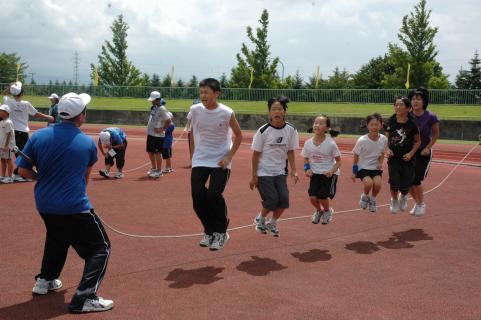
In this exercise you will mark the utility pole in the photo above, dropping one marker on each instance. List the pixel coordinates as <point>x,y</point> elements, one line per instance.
<point>75,67</point>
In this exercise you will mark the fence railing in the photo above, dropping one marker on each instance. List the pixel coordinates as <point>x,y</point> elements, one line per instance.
<point>437,96</point>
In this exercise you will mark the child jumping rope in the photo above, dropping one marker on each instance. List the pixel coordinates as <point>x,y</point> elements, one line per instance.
<point>322,161</point>
<point>273,146</point>
<point>367,161</point>
<point>403,142</point>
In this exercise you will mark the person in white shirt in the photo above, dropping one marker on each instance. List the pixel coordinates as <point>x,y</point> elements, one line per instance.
<point>20,110</point>
<point>7,142</point>
<point>368,156</point>
<point>322,161</point>
<point>273,147</point>
<point>159,121</point>
<point>211,125</point>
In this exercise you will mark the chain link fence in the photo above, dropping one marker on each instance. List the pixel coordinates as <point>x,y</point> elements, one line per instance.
<point>437,96</point>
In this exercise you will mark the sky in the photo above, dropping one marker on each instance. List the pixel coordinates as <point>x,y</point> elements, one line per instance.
<point>202,38</point>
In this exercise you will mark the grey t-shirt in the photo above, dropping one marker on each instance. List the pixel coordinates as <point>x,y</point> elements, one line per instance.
<point>158,115</point>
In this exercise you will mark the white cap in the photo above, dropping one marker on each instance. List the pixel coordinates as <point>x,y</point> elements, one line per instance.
<point>72,104</point>
<point>5,108</point>
<point>154,95</point>
<point>53,96</point>
<point>104,137</point>
<point>16,88</point>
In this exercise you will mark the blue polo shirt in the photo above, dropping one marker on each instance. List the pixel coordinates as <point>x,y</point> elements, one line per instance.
<point>117,135</point>
<point>62,154</point>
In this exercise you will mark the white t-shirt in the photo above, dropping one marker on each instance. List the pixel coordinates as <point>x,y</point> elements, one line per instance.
<point>158,115</point>
<point>212,134</point>
<point>6,126</point>
<point>369,151</point>
<point>19,112</point>
<point>321,157</point>
<point>274,143</point>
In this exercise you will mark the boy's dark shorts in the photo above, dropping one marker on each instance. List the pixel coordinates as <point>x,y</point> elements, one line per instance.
<point>154,144</point>
<point>361,174</point>
<point>274,192</point>
<point>323,187</point>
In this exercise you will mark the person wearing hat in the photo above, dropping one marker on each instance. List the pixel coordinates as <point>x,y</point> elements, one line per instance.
<point>114,140</point>
<point>7,142</point>
<point>20,110</point>
<point>159,121</point>
<point>63,157</point>
<point>53,111</point>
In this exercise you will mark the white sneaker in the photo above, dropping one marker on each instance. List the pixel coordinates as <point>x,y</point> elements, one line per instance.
<point>394,206</point>
<point>18,178</point>
<point>206,240</point>
<point>94,305</point>
<point>260,224</point>
<point>372,205</point>
<point>364,201</point>
<point>403,202</point>
<point>7,180</point>
<point>420,210</point>
<point>43,286</point>
<point>150,171</point>
<point>220,239</point>
<point>118,175</point>
<point>104,173</point>
<point>327,216</point>
<point>413,209</point>
<point>272,228</point>
<point>155,174</point>
<point>316,217</point>
<point>167,170</point>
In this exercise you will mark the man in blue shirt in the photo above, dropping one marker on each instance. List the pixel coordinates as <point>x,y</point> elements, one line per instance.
<point>114,140</point>
<point>63,157</point>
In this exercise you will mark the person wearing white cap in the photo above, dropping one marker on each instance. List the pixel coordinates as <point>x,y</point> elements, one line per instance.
<point>20,110</point>
<point>64,156</point>
<point>7,142</point>
<point>159,121</point>
<point>53,111</point>
<point>114,140</point>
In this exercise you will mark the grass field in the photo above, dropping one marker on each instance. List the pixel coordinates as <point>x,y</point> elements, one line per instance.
<point>340,109</point>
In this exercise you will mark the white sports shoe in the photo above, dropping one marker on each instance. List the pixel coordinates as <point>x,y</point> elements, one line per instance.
<point>372,205</point>
<point>7,180</point>
<point>260,224</point>
<point>206,240</point>
<point>420,210</point>
<point>43,286</point>
<point>272,228</point>
<point>155,174</point>
<point>394,206</point>
<point>220,239</point>
<point>413,209</point>
<point>118,175</point>
<point>327,216</point>
<point>104,173</point>
<point>167,170</point>
<point>18,178</point>
<point>94,305</point>
<point>364,201</point>
<point>403,202</point>
<point>316,217</point>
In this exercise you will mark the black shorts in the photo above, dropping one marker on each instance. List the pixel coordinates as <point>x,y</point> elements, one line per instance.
<point>21,139</point>
<point>421,167</point>
<point>361,174</point>
<point>274,192</point>
<point>323,187</point>
<point>401,174</point>
<point>154,144</point>
<point>166,153</point>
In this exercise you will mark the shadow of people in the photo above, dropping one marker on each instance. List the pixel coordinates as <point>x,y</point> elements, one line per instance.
<point>312,255</point>
<point>187,278</point>
<point>412,235</point>
<point>362,247</point>
<point>260,266</point>
<point>395,243</point>
<point>39,307</point>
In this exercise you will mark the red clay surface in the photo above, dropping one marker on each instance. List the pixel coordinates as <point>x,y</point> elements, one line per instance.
<point>361,266</point>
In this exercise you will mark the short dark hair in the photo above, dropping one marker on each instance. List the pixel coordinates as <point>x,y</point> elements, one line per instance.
<point>420,92</point>
<point>370,117</point>
<point>283,100</point>
<point>212,83</point>
<point>406,100</point>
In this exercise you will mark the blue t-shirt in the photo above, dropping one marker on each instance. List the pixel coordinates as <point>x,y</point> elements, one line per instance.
<point>117,135</point>
<point>169,138</point>
<point>62,154</point>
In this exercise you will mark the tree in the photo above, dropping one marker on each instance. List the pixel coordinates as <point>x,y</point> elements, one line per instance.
<point>293,82</point>
<point>155,81</point>
<point>224,82</point>
<point>259,60</point>
<point>145,80</point>
<point>475,72</point>
<point>114,68</point>
<point>372,73</point>
<point>315,83</point>
<point>166,81</point>
<point>417,36</point>
<point>193,82</point>
<point>180,83</point>
<point>339,79</point>
<point>462,79</point>
<point>8,68</point>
